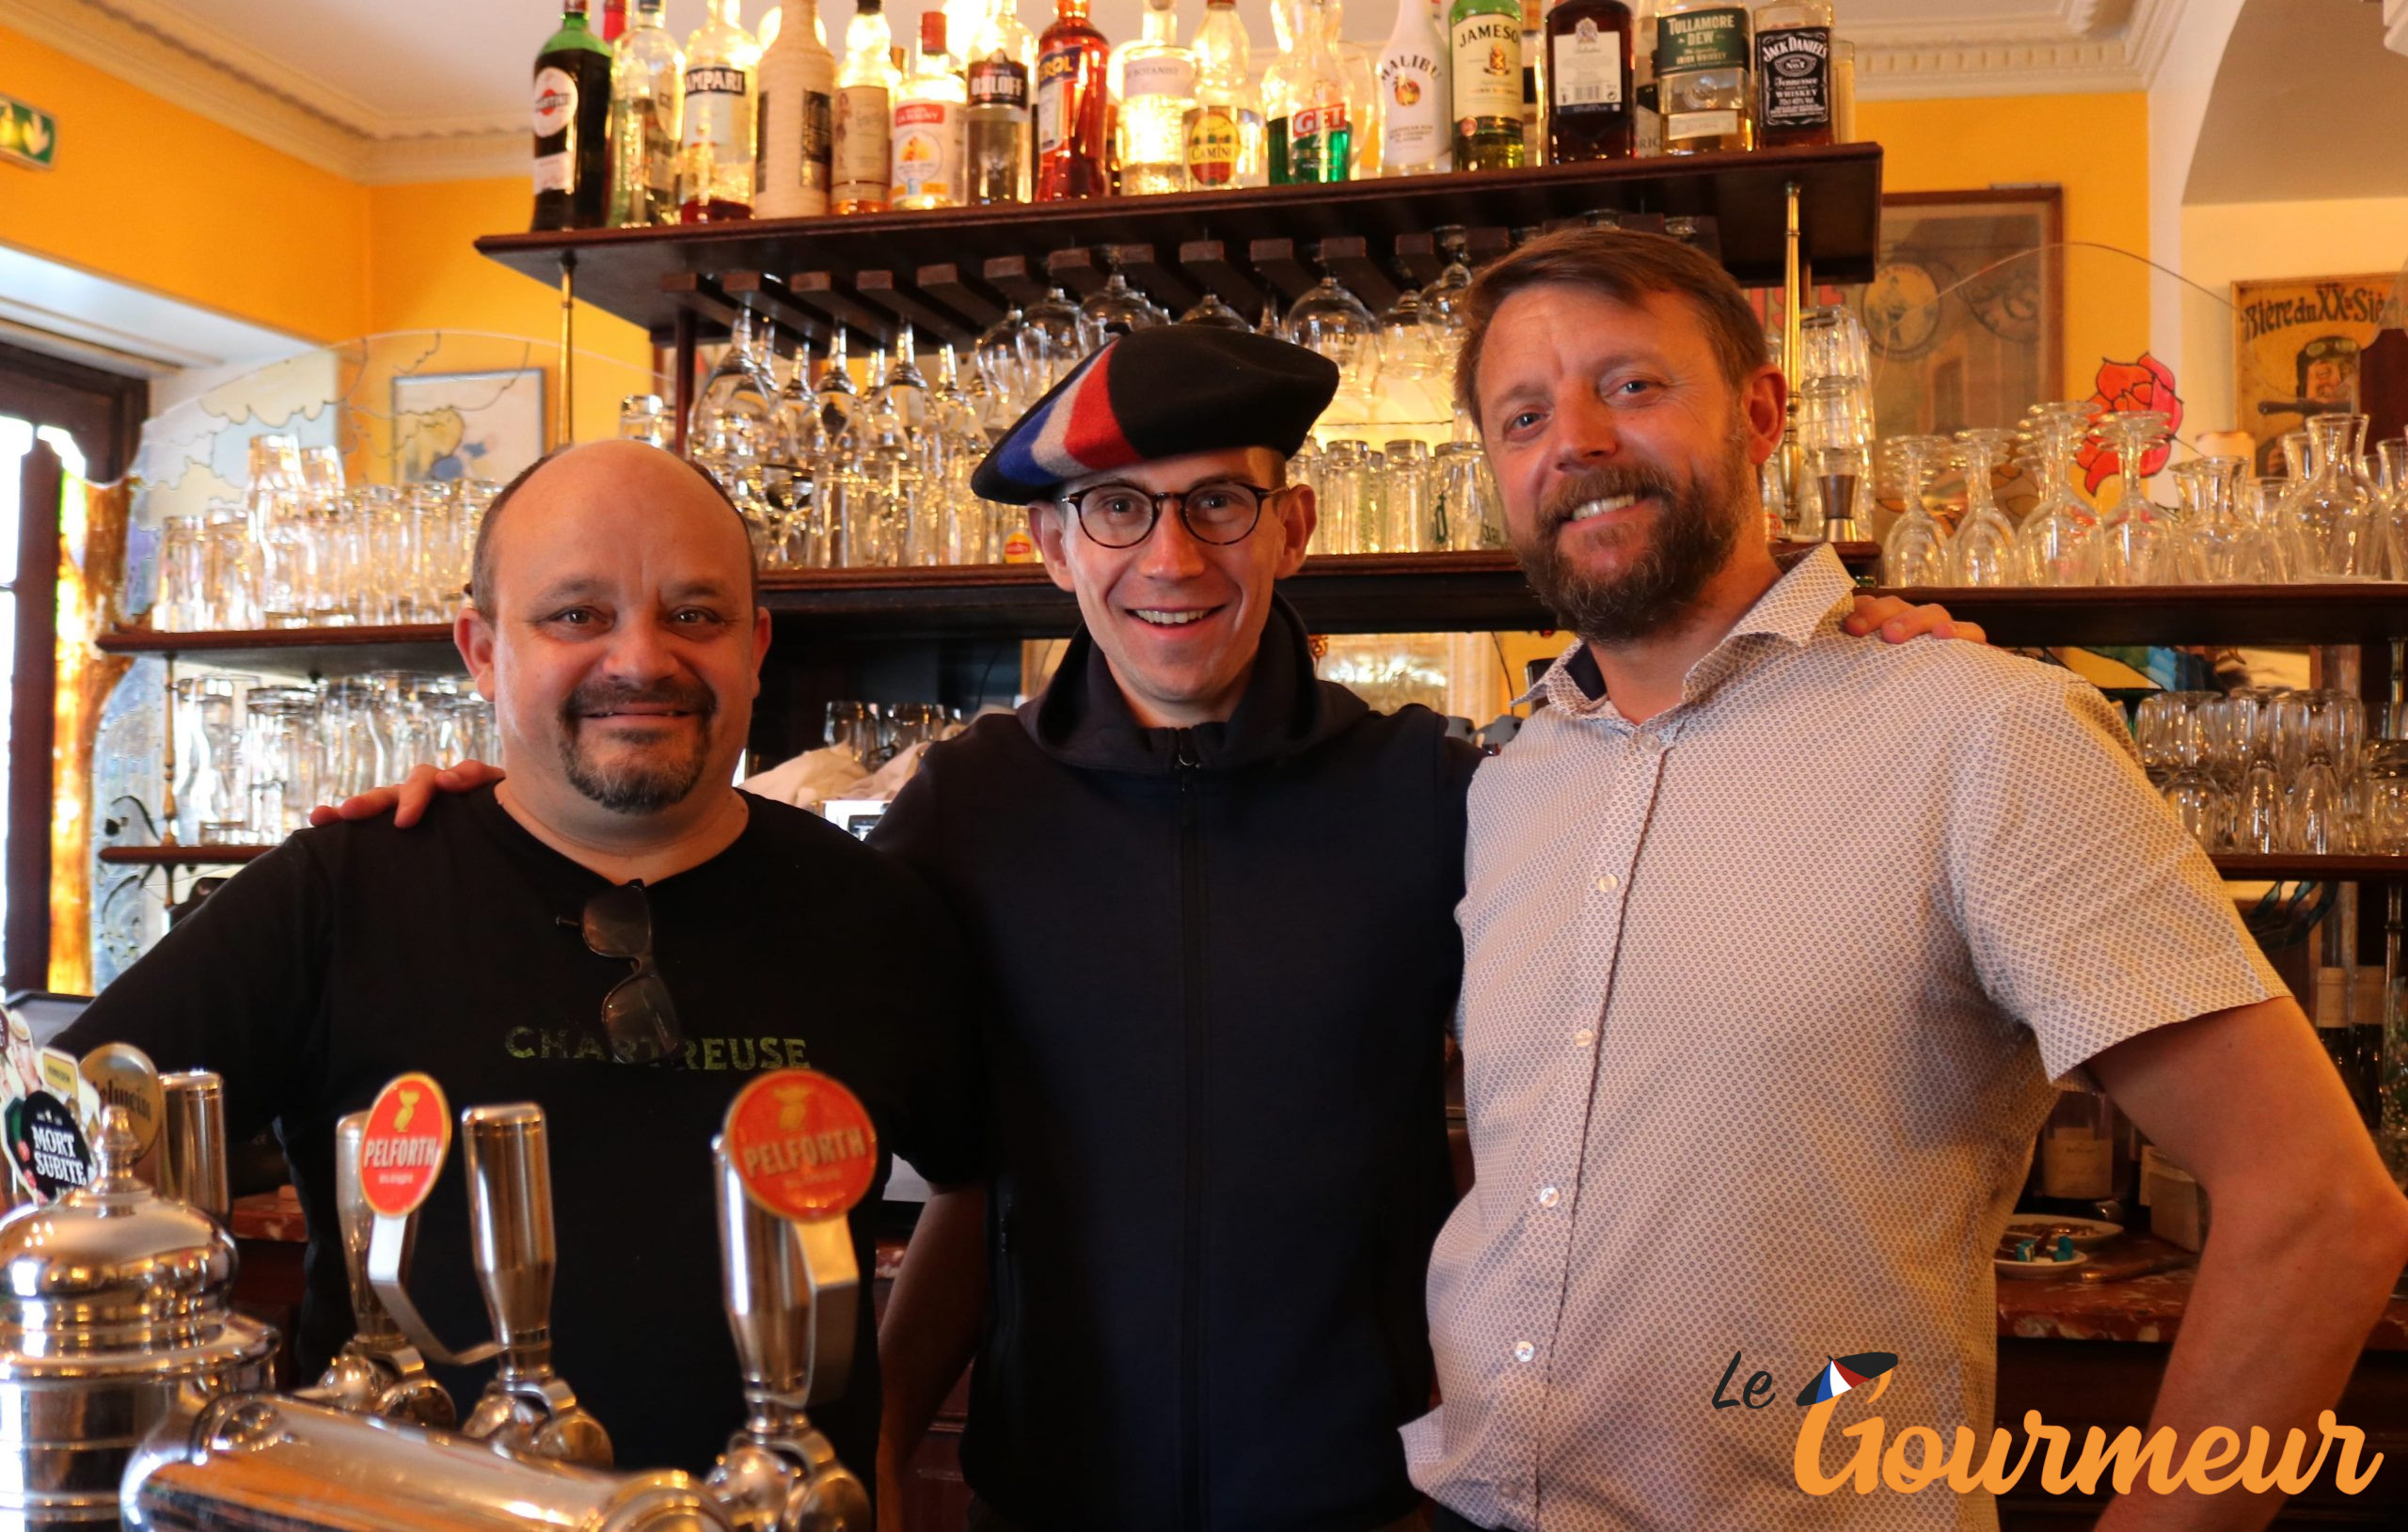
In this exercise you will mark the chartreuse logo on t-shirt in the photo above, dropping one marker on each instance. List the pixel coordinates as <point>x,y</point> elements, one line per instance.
<point>1916,1458</point>
<point>733,1056</point>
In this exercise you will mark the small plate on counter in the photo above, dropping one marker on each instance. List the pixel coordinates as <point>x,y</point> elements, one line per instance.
<point>2043,1228</point>
<point>2041,1269</point>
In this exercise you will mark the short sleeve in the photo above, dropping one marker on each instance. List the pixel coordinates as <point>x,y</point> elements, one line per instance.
<point>2091,915</point>
<point>233,987</point>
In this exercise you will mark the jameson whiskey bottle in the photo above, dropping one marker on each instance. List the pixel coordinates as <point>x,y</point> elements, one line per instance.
<point>1587,81</point>
<point>996,138</point>
<point>714,158</point>
<point>1702,76</point>
<point>1795,102</point>
<point>1074,108</point>
<point>647,80</point>
<point>865,115</point>
<point>797,103</point>
<point>1415,138</point>
<point>572,126</point>
<point>1485,41</point>
<point>1225,131</point>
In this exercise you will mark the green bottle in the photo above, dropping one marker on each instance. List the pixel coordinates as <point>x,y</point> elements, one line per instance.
<point>1484,37</point>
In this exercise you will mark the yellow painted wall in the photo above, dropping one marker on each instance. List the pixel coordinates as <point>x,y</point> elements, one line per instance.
<point>162,199</point>
<point>2096,147</point>
<point>424,273</point>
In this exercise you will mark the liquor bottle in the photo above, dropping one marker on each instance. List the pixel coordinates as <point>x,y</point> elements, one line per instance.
<point>864,115</point>
<point>1415,138</point>
<point>1312,127</point>
<point>1795,100</point>
<point>1484,39</point>
<point>1224,132</point>
<point>714,158</point>
<point>1702,76</point>
<point>929,133</point>
<point>1533,83</point>
<point>1646,100</point>
<point>1587,81</point>
<point>647,83</point>
<point>1157,93</point>
<point>1073,107</point>
<point>996,151</point>
<point>572,126</point>
<point>614,20</point>
<point>798,110</point>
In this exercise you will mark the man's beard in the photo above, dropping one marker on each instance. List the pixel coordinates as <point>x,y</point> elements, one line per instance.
<point>644,779</point>
<point>1690,539</point>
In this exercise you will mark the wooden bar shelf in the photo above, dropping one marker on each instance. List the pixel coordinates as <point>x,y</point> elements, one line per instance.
<point>2370,611</point>
<point>181,856</point>
<point>2295,866</point>
<point>622,270</point>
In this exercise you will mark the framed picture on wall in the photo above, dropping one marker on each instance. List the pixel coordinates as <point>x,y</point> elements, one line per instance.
<point>466,425</point>
<point>2295,344</point>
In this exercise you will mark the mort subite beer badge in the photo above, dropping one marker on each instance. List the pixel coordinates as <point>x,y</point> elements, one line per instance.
<point>401,1153</point>
<point>801,1144</point>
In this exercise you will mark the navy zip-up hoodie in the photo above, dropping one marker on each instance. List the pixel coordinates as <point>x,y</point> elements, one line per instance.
<point>1225,959</point>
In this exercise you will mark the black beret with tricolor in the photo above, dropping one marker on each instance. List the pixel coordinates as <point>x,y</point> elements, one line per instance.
<point>1159,393</point>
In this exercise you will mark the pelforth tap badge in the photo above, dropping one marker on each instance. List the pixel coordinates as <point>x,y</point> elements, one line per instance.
<point>528,1409</point>
<point>797,1154</point>
<point>379,1372</point>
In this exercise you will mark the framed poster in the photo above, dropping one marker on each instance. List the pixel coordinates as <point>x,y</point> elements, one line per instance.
<point>1964,314</point>
<point>2295,350</point>
<point>466,425</point>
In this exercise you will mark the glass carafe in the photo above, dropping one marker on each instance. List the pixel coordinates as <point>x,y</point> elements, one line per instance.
<point>1915,554</point>
<point>2336,506</point>
<point>1983,550</point>
<point>2134,544</point>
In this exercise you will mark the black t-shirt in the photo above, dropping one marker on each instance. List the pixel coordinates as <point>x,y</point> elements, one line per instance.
<point>353,953</point>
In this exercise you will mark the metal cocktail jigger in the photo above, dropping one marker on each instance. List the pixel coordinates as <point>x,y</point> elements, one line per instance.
<point>527,1409</point>
<point>192,1140</point>
<point>379,1372</point>
<point>792,1289</point>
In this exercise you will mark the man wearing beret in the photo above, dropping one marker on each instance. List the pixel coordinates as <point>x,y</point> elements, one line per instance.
<point>1216,897</point>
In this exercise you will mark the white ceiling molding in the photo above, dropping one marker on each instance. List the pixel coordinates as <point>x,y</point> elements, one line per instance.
<point>2087,45</point>
<point>238,87</point>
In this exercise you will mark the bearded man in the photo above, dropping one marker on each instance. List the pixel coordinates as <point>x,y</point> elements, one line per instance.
<point>1724,1097</point>
<point>611,932</point>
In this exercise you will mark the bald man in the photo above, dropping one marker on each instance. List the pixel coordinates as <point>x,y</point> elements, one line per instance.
<point>616,631</point>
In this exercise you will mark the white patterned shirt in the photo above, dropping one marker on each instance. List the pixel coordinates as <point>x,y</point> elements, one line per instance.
<point>1762,1003</point>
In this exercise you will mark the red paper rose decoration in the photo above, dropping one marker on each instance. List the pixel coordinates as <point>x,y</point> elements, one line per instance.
<point>2144,385</point>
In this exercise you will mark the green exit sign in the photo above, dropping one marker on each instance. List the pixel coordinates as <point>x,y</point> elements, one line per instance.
<point>29,135</point>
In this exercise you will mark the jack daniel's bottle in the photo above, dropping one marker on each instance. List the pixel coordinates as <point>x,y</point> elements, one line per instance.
<point>572,98</point>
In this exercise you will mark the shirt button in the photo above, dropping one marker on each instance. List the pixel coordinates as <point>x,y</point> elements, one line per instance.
<point>1608,883</point>
<point>1524,1350</point>
<point>1549,1197</point>
<point>1584,1037</point>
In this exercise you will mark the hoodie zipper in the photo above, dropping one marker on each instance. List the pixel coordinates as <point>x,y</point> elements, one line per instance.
<point>1193,1511</point>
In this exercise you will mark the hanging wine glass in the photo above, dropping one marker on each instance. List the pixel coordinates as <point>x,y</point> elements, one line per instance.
<point>905,392</point>
<point>1981,552</point>
<point>738,384</point>
<point>1915,554</point>
<point>1113,308</point>
<point>838,399</point>
<point>1211,310</point>
<point>996,355</point>
<point>1049,342</point>
<point>1332,321</point>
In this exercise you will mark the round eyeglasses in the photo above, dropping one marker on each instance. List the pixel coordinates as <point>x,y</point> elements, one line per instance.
<point>1123,515</point>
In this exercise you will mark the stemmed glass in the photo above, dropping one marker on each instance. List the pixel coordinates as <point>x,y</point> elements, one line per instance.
<point>1983,550</point>
<point>2134,541</point>
<point>1915,554</point>
<point>996,356</point>
<point>1113,308</point>
<point>1334,322</point>
<point>839,401</point>
<point>2057,545</point>
<point>1443,300</point>
<point>738,386</point>
<point>1211,309</point>
<point>1049,343</point>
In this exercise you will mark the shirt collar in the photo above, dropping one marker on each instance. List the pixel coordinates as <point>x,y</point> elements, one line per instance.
<point>1813,590</point>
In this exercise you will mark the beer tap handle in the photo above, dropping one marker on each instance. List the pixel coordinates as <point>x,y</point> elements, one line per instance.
<point>358,1224</point>
<point>192,1146</point>
<point>791,1292</point>
<point>510,1224</point>
<point>379,1372</point>
<point>527,1408</point>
